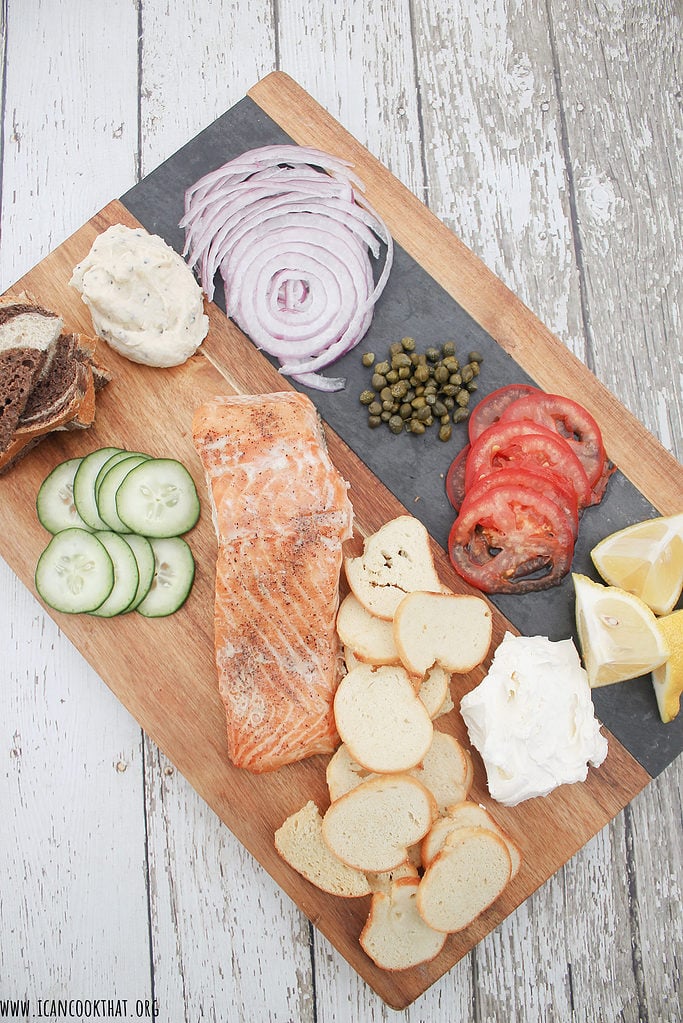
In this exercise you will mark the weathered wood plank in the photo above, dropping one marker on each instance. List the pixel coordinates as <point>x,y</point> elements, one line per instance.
<point>72,855</point>
<point>69,135</point>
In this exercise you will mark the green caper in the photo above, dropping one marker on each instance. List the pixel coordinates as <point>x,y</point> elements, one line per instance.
<point>451,364</point>
<point>366,397</point>
<point>445,418</point>
<point>448,348</point>
<point>433,354</point>
<point>475,367</point>
<point>462,398</point>
<point>472,386</point>
<point>385,394</point>
<point>368,358</point>
<point>449,402</point>
<point>455,378</point>
<point>408,344</point>
<point>450,390</point>
<point>404,373</point>
<point>421,374</point>
<point>387,405</point>
<point>417,427</point>
<point>475,357</point>
<point>438,408</point>
<point>385,416</point>
<point>405,411</point>
<point>430,397</point>
<point>424,413</point>
<point>415,359</point>
<point>399,389</point>
<point>445,432</point>
<point>395,347</point>
<point>460,414</point>
<point>374,422</point>
<point>374,408</point>
<point>395,424</point>
<point>383,368</point>
<point>402,359</point>
<point>378,381</point>
<point>392,376</point>
<point>418,402</point>
<point>467,374</point>
<point>441,374</point>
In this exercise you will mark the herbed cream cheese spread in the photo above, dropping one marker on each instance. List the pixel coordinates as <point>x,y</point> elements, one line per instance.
<point>143,298</point>
<point>532,719</point>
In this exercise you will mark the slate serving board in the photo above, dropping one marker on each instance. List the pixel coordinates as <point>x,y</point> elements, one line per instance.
<point>163,671</point>
<point>413,468</point>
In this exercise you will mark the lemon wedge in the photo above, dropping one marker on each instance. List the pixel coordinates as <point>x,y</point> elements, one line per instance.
<point>646,559</point>
<point>618,633</point>
<point>668,677</point>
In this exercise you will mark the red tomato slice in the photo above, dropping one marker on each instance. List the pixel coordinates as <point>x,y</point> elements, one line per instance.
<point>489,410</point>
<point>502,446</point>
<point>455,478</point>
<point>511,539</point>
<point>542,481</point>
<point>572,421</point>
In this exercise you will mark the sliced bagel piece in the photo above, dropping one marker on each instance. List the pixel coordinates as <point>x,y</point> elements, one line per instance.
<point>463,879</point>
<point>466,814</point>
<point>396,560</point>
<point>381,718</point>
<point>450,629</point>
<point>395,936</point>
<point>299,842</point>
<point>371,638</point>
<point>373,826</point>
<point>444,771</point>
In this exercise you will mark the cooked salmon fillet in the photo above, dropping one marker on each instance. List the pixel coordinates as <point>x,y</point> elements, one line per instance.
<point>281,513</point>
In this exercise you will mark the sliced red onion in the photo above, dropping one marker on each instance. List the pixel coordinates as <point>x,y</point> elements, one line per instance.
<point>292,240</point>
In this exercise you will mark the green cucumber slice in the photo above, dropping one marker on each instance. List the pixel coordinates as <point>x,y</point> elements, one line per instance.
<point>75,572</point>
<point>55,505</point>
<point>84,486</point>
<point>144,555</point>
<point>118,456</point>
<point>158,498</point>
<point>173,577</point>
<point>126,576</point>
<point>106,492</point>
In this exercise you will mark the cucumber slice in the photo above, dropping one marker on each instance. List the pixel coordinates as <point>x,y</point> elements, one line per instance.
<point>125,575</point>
<point>158,498</point>
<point>144,555</point>
<point>173,577</point>
<point>84,486</point>
<point>118,456</point>
<point>106,492</point>
<point>55,505</point>
<point>75,572</point>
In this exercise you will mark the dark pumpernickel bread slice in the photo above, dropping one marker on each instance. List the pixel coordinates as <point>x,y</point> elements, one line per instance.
<point>19,369</point>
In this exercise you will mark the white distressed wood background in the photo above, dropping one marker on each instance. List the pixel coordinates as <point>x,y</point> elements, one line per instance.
<point>547,135</point>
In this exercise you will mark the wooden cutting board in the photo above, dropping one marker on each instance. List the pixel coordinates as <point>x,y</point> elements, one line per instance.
<point>163,671</point>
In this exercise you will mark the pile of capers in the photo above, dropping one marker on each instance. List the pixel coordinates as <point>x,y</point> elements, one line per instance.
<point>412,391</point>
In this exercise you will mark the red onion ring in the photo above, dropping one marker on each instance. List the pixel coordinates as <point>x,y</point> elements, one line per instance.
<point>292,239</point>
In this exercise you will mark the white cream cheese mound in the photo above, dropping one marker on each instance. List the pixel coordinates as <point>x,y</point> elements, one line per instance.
<point>143,298</point>
<point>532,719</point>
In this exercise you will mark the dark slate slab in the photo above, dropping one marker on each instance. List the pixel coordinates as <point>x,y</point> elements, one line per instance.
<point>412,467</point>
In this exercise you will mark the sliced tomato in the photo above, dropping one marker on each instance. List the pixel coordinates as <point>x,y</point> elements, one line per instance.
<point>489,410</point>
<point>542,481</point>
<point>510,539</point>
<point>455,478</point>
<point>503,446</point>
<point>570,420</point>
